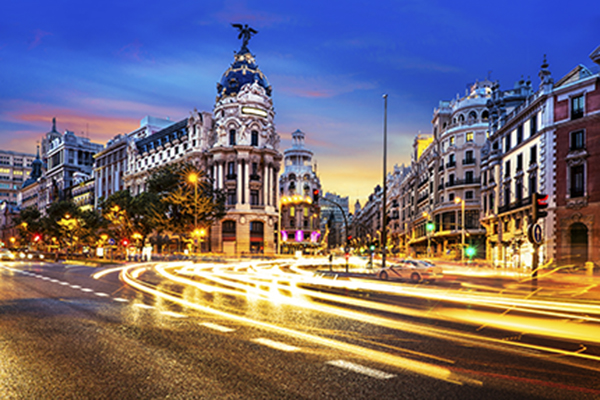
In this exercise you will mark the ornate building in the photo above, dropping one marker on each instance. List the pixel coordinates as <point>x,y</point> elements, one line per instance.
<point>238,148</point>
<point>300,215</point>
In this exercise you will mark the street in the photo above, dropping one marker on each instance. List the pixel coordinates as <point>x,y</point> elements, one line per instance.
<point>276,330</point>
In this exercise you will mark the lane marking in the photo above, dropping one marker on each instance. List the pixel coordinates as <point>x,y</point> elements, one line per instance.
<point>361,369</point>
<point>142,305</point>
<point>100,294</point>
<point>276,345</point>
<point>217,327</point>
<point>63,283</point>
<point>75,286</point>
<point>173,314</point>
<point>86,290</point>
<point>54,280</point>
<point>120,299</point>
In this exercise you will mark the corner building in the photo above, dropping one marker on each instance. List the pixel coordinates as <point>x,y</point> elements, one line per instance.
<point>243,159</point>
<point>237,146</point>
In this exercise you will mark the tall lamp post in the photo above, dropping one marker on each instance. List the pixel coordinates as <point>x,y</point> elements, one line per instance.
<point>429,227</point>
<point>462,232</point>
<point>384,211</point>
<point>193,179</point>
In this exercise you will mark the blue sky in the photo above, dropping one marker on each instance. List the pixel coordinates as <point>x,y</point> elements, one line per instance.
<point>100,67</point>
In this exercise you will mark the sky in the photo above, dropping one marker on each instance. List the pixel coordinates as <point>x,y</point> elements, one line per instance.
<point>99,67</point>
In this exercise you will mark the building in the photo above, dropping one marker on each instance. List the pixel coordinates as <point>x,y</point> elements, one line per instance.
<point>237,146</point>
<point>576,121</point>
<point>14,168</point>
<point>335,214</point>
<point>517,160</point>
<point>66,155</point>
<point>32,191</point>
<point>299,187</point>
<point>111,164</point>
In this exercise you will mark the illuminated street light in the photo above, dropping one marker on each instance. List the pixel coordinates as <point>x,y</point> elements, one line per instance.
<point>193,179</point>
<point>462,233</point>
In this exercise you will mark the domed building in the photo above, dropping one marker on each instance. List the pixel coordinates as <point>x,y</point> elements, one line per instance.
<point>299,187</point>
<point>244,160</point>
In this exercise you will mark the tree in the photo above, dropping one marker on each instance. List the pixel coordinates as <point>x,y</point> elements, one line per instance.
<point>29,224</point>
<point>185,202</point>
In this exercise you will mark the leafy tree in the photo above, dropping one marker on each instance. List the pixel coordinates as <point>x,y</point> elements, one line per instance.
<point>29,224</point>
<point>187,198</point>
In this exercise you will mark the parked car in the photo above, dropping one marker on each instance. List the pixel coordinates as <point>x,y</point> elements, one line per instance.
<point>413,270</point>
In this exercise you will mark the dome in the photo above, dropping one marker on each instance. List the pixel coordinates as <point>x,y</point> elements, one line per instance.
<point>243,71</point>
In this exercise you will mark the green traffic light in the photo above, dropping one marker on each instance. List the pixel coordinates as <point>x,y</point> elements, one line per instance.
<point>470,251</point>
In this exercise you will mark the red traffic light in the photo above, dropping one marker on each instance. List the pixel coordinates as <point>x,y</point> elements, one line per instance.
<point>540,203</point>
<point>125,242</point>
<point>37,237</point>
<point>315,195</point>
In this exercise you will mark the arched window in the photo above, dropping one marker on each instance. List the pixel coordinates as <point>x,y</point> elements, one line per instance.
<point>472,116</point>
<point>232,137</point>
<point>254,138</point>
<point>485,115</point>
<point>461,118</point>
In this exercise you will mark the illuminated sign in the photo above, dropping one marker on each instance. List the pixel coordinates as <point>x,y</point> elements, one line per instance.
<point>254,111</point>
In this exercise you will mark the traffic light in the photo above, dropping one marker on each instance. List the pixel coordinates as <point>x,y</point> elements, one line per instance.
<point>470,251</point>
<point>540,204</point>
<point>37,237</point>
<point>125,242</point>
<point>372,247</point>
<point>315,196</point>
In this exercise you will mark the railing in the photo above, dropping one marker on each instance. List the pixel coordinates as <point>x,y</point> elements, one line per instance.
<point>458,182</point>
<point>469,161</point>
<point>451,164</point>
<point>515,205</point>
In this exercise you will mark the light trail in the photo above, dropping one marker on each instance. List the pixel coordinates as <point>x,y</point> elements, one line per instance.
<point>399,362</point>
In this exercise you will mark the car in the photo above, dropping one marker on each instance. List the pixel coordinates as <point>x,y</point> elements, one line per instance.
<point>414,270</point>
<point>6,254</point>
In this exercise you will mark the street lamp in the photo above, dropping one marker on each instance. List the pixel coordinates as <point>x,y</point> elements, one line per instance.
<point>193,179</point>
<point>462,233</point>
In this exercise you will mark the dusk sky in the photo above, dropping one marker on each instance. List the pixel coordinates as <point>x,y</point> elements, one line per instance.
<point>100,67</point>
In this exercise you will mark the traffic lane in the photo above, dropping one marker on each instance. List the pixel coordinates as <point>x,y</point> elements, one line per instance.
<point>57,348</point>
<point>365,333</point>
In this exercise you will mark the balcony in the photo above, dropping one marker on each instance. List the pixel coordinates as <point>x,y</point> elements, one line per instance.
<point>231,177</point>
<point>255,177</point>
<point>469,161</point>
<point>451,164</point>
<point>460,182</point>
<point>515,205</point>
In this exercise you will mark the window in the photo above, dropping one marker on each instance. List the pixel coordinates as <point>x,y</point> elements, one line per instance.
<point>232,137</point>
<point>231,197</point>
<point>451,161</point>
<point>228,231</point>
<point>507,143</point>
<point>577,186</point>
<point>469,159</point>
<point>533,126</point>
<point>532,184</point>
<point>451,197</point>
<point>506,195</point>
<point>254,138</point>
<point>469,136</point>
<point>254,198</point>
<point>577,140</point>
<point>469,177</point>
<point>519,134</point>
<point>520,162</point>
<point>451,140</point>
<point>533,155</point>
<point>231,170</point>
<point>451,180</point>
<point>507,169</point>
<point>491,202</point>
<point>519,190</point>
<point>469,195</point>
<point>577,107</point>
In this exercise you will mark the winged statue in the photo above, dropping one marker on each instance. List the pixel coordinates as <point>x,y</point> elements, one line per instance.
<point>245,33</point>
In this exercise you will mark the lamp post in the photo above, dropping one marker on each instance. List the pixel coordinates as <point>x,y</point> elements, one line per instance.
<point>462,233</point>
<point>193,179</point>
<point>384,211</point>
<point>429,227</point>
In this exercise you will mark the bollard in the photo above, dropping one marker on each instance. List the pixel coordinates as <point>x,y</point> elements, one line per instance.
<point>589,268</point>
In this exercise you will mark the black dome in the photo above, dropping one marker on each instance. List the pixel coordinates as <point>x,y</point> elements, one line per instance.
<point>243,70</point>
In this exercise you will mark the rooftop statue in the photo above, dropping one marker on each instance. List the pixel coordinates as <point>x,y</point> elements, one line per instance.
<point>245,34</point>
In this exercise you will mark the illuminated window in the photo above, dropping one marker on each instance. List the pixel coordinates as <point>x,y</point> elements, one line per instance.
<point>469,136</point>
<point>451,140</point>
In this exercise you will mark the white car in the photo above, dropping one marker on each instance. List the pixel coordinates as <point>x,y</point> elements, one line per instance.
<point>413,270</point>
<point>6,254</point>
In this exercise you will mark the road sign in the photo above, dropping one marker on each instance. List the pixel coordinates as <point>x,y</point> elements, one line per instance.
<point>111,242</point>
<point>534,234</point>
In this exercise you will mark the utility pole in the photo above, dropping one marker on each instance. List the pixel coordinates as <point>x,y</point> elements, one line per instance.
<point>383,208</point>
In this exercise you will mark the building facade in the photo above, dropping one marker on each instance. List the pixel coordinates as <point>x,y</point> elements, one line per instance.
<point>14,169</point>
<point>237,146</point>
<point>299,187</point>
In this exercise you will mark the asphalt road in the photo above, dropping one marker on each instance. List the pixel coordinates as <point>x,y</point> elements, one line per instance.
<point>66,335</point>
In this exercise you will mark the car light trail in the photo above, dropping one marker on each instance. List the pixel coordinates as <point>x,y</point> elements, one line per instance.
<point>407,364</point>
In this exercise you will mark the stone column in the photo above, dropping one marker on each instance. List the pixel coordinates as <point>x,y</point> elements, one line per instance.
<point>239,185</point>
<point>246,182</point>
<point>266,185</point>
